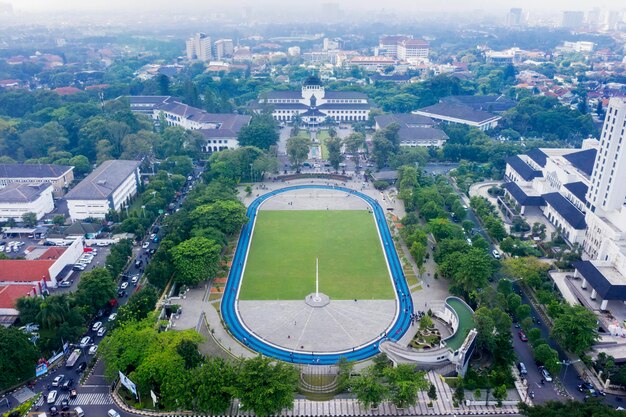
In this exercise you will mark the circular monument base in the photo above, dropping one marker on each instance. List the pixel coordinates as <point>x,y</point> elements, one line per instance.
<point>317,300</point>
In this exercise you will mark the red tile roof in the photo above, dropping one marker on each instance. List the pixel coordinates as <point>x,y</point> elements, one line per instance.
<point>24,271</point>
<point>10,293</point>
<point>65,91</point>
<point>52,253</point>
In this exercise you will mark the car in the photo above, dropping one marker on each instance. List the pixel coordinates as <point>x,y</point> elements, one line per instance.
<point>112,317</point>
<point>65,284</point>
<point>113,413</point>
<point>121,293</point>
<point>138,263</point>
<point>93,350</point>
<point>152,251</point>
<point>495,254</point>
<point>81,367</point>
<point>102,331</point>
<point>153,235</point>
<point>96,326</point>
<point>124,285</point>
<point>52,397</point>
<point>57,380</point>
<point>469,241</point>
<point>53,410</point>
<point>585,386</point>
<point>546,375</point>
<point>145,245</point>
<point>156,238</point>
<point>79,267</point>
<point>134,279</point>
<point>65,404</point>
<point>517,325</point>
<point>102,244</point>
<point>67,384</point>
<point>79,412</point>
<point>85,341</point>
<point>522,336</point>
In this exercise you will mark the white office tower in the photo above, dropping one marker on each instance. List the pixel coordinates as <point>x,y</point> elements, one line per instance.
<point>606,198</point>
<point>199,47</point>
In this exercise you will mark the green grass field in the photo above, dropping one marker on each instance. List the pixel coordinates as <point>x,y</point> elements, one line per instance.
<point>281,261</point>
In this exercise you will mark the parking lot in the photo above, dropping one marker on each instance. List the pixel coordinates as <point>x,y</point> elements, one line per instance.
<point>73,277</point>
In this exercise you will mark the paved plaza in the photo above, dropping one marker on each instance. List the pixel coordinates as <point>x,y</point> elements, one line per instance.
<point>340,325</point>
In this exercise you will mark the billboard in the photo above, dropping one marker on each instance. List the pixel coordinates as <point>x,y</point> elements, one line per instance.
<point>41,369</point>
<point>128,383</point>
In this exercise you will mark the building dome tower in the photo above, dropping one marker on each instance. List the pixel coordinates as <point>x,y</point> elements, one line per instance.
<point>312,85</point>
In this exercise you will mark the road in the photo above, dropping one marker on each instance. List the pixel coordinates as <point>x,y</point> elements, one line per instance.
<point>93,395</point>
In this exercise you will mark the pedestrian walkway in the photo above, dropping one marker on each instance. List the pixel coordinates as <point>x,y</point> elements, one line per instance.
<point>81,399</point>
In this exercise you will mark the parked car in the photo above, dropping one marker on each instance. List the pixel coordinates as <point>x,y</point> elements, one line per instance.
<point>522,336</point>
<point>96,326</point>
<point>585,386</point>
<point>112,317</point>
<point>495,254</point>
<point>134,279</point>
<point>102,331</point>
<point>93,349</point>
<point>79,267</point>
<point>124,285</point>
<point>65,284</point>
<point>57,380</point>
<point>145,245</point>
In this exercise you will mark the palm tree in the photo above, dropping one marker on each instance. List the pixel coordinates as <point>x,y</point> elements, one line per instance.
<point>53,311</point>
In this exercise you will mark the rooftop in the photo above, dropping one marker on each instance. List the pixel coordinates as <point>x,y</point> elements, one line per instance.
<point>404,119</point>
<point>578,189</point>
<point>103,181</point>
<point>457,111</point>
<point>567,210</point>
<point>492,104</point>
<point>605,279</point>
<point>16,192</point>
<point>24,271</point>
<point>582,160</point>
<point>9,294</point>
<point>522,196</point>
<point>466,322</point>
<point>538,156</point>
<point>33,170</point>
<point>522,168</point>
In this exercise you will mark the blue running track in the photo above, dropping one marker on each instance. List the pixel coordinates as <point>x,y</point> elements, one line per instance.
<point>404,304</point>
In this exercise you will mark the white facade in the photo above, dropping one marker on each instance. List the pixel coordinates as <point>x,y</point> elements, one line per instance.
<point>199,47</point>
<point>224,48</point>
<point>40,205</point>
<point>411,49</point>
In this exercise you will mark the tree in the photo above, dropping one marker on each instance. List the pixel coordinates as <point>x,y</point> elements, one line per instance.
<point>513,301</point>
<point>548,357</point>
<point>522,311</point>
<point>188,350</point>
<point>29,219</point>
<point>369,390</point>
<point>432,392</point>
<point>95,289</point>
<point>473,270</point>
<point>353,142</point>
<point>139,305</point>
<point>298,150</point>
<point>227,216</point>
<point>58,220</point>
<point>570,408</point>
<point>195,260</point>
<point>265,387</point>
<point>29,308</point>
<point>213,386</point>
<point>499,393</point>
<point>261,132</point>
<point>576,329</point>
<point>333,144</point>
<point>18,357</point>
<point>404,382</point>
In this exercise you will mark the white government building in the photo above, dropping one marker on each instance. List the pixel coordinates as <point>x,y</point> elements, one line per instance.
<point>18,199</point>
<point>583,193</point>
<point>314,104</point>
<point>111,186</point>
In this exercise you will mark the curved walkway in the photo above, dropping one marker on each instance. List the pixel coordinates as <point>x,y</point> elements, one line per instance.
<point>236,327</point>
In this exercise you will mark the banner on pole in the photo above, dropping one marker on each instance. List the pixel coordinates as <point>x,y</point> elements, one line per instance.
<point>128,384</point>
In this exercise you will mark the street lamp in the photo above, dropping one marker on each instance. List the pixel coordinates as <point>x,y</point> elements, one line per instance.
<point>567,363</point>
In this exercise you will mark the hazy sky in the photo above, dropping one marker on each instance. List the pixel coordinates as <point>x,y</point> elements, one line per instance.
<point>446,5</point>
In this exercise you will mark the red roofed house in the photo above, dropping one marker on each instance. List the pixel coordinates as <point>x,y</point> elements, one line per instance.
<point>9,295</point>
<point>66,91</point>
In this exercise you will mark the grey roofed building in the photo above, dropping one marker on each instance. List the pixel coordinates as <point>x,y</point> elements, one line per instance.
<point>578,190</point>
<point>566,209</point>
<point>403,119</point>
<point>103,181</point>
<point>523,169</point>
<point>146,104</point>
<point>583,160</point>
<point>538,156</point>
<point>33,170</point>
<point>22,193</point>
<point>605,280</point>
<point>521,196</point>
<point>457,111</point>
<point>491,103</point>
